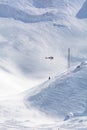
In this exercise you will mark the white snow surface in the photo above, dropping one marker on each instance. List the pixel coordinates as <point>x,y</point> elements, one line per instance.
<point>31,30</point>
<point>62,95</point>
<point>29,38</point>
<point>57,101</point>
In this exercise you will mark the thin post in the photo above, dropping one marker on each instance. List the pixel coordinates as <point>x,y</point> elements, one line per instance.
<point>68,58</point>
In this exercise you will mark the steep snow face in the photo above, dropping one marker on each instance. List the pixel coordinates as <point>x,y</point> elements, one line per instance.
<point>60,9</point>
<point>83,11</point>
<point>68,7</point>
<point>63,95</point>
<point>7,11</point>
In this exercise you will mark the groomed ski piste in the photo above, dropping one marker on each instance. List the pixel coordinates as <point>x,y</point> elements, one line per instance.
<point>30,31</point>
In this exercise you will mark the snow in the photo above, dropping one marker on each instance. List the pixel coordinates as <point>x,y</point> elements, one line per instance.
<point>62,96</point>
<point>16,112</point>
<point>83,11</point>
<point>21,50</point>
<point>31,30</point>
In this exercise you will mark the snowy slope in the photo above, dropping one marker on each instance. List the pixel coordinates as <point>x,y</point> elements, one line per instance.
<point>83,11</point>
<point>31,30</point>
<point>49,31</point>
<point>24,52</point>
<point>38,6</point>
<point>31,43</point>
<point>12,84</point>
<point>17,112</point>
<point>64,95</point>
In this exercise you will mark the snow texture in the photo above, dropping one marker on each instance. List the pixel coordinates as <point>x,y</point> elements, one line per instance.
<point>31,30</point>
<point>63,95</point>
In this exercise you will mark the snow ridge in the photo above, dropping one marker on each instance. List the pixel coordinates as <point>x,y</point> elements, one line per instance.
<point>63,96</point>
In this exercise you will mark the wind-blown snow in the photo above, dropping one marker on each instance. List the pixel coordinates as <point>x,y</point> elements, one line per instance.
<point>27,44</point>
<point>31,30</point>
<point>17,113</point>
<point>63,95</point>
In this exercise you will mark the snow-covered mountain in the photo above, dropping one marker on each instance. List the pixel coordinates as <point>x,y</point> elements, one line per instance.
<point>30,31</point>
<point>62,95</point>
<point>49,31</point>
<point>56,104</point>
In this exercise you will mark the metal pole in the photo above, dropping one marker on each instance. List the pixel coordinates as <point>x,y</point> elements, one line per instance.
<point>68,58</point>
